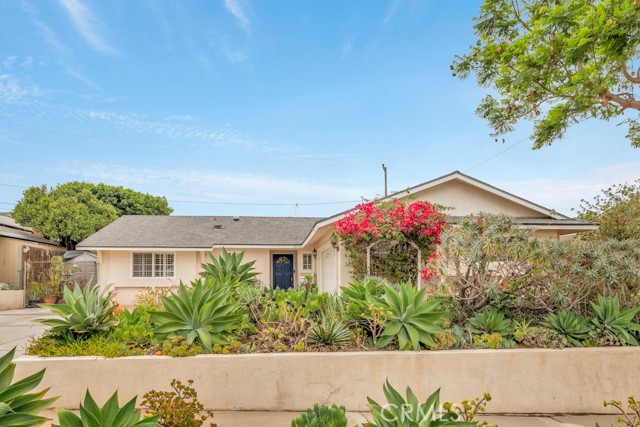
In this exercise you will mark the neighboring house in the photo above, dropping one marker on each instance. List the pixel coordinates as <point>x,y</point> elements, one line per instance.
<point>15,242</point>
<point>136,252</point>
<point>81,267</point>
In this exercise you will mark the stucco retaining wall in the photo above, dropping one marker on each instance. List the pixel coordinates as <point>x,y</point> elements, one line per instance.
<point>570,381</point>
<point>11,300</point>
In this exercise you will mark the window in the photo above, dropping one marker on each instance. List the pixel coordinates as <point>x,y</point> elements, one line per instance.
<point>307,261</point>
<point>150,264</point>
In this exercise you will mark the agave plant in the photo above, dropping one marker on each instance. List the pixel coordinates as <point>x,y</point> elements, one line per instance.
<point>85,312</point>
<point>607,317</point>
<point>18,407</point>
<point>490,321</point>
<point>409,412</point>
<point>228,268</point>
<point>204,314</point>
<point>331,331</point>
<point>357,293</point>
<point>412,319</point>
<point>110,415</point>
<point>569,325</point>
<point>322,416</point>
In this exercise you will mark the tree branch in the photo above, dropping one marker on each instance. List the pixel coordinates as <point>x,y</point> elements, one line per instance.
<point>628,75</point>
<point>620,99</point>
<point>516,12</point>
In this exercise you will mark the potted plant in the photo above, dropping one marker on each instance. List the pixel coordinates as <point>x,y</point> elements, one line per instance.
<point>35,293</point>
<point>51,292</point>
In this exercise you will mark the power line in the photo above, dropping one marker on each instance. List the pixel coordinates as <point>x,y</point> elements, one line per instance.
<point>497,154</point>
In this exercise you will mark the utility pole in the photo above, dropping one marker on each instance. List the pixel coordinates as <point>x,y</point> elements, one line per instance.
<point>384,169</point>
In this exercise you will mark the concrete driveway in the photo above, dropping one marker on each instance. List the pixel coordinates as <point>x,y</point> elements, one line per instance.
<point>18,326</point>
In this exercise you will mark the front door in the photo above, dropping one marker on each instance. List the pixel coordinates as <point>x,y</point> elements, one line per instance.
<point>283,271</point>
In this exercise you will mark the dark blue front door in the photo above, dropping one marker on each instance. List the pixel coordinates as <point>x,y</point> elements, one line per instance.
<point>283,271</point>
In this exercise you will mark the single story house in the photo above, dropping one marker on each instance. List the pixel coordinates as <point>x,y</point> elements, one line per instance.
<point>136,252</point>
<point>17,241</point>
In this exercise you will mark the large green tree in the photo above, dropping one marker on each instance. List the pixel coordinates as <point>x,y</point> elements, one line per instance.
<point>617,209</point>
<point>73,211</point>
<point>556,62</point>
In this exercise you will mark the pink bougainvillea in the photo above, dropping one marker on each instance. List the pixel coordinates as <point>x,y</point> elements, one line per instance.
<point>428,272</point>
<point>419,221</point>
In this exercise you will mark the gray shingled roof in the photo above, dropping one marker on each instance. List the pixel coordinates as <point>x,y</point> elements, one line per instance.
<point>146,231</point>
<point>535,221</point>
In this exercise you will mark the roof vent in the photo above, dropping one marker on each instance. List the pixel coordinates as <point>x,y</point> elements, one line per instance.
<point>236,218</point>
<point>217,227</point>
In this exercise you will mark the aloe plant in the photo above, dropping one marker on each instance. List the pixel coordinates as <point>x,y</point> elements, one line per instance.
<point>490,321</point>
<point>409,412</point>
<point>322,416</point>
<point>203,314</point>
<point>569,325</point>
<point>357,293</point>
<point>18,407</point>
<point>85,312</point>
<point>607,317</point>
<point>411,318</point>
<point>331,331</point>
<point>110,415</point>
<point>228,267</point>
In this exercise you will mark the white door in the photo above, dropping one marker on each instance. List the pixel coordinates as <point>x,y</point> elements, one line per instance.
<point>329,271</point>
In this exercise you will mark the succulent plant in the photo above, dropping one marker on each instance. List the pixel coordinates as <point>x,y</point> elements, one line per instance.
<point>412,318</point>
<point>569,325</point>
<point>83,313</point>
<point>322,416</point>
<point>203,314</point>
<point>18,407</point>
<point>110,415</point>
<point>490,321</point>
<point>409,412</point>
<point>228,267</point>
<point>607,317</point>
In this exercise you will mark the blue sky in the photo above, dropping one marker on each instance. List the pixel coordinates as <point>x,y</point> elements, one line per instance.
<point>266,102</point>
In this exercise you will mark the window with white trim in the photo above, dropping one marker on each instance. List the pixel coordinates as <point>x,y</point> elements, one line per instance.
<point>307,262</point>
<point>151,264</point>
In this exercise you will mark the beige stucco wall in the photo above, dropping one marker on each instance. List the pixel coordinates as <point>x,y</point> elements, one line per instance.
<point>11,300</point>
<point>466,199</point>
<point>569,381</point>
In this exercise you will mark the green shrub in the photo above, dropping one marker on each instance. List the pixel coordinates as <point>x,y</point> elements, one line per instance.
<point>134,327</point>
<point>569,325</point>
<point>97,345</point>
<point>490,321</point>
<point>607,317</point>
<point>110,415</point>
<point>629,415</point>
<point>177,408</point>
<point>18,407</point>
<point>409,412</point>
<point>309,303</point>
<point>83,313</point>
<point>203,314</point>
<point>179,347</point>
<point>492,341</point>
<point>322,416</point>
<point>539,337</point>
<point>357,294</point>
<point>412,319</point>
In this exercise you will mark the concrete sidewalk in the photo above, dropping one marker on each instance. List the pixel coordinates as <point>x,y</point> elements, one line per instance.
<point>17,326</point>
<point>283,419</point>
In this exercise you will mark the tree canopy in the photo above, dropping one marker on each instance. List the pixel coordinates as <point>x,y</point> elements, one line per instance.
<point>617,210</point>
<point>73,211</point>
<point>556,63</point>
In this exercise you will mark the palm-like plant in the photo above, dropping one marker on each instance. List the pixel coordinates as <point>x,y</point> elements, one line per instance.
<point>228,267</point>
<point>85,312</point>
<point>490,321</point>
<point>356,295</point>
<point>110,415</point>
<point>412,319</point>
<point>607,317</point>
<point>569,325</point>
<point>204,314</point>
<point>18,407</point>
<point>409,412</point>
<point>331,331</point>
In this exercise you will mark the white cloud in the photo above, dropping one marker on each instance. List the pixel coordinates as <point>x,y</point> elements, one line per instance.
<point>565,194</point>
<point>234,8</point>
<point>12,91</point>
<point>204,185</point>
<point>8,61</point>
<point>88,25</point>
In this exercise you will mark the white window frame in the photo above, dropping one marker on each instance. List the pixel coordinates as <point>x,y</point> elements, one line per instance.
<point>153,265</point>
<point>310,255</point>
